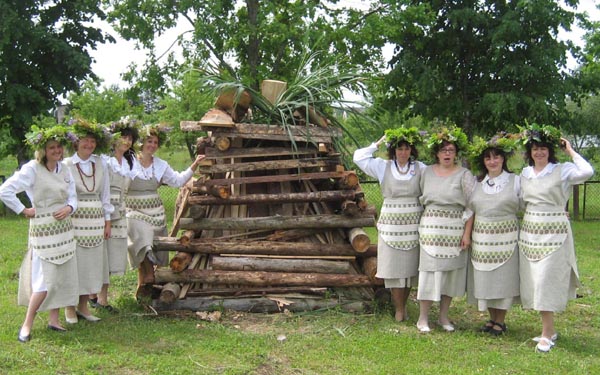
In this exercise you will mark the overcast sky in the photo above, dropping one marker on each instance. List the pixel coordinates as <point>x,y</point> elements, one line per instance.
<point>113,59</point>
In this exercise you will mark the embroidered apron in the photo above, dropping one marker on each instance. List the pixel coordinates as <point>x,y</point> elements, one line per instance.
<point>50,239</point>
<point>545,224</point>
<point>143,203</point>
<point>495,229</point>
<point>398,223</point>
<point>88,220</point>
<point>118,222</point>
<point>442,226</point>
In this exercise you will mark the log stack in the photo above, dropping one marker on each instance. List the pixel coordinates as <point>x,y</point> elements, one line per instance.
<point>272,222</point>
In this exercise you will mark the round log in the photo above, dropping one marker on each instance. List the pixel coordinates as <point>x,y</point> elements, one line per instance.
<point>169,293</point>
<point>180,261</point>
<point>359,239</point>
<point>272,89</point>
<point>222,143</point>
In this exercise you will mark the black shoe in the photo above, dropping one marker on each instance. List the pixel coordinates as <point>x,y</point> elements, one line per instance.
<point>24,339</point>
<point>497,332</point>
<point>93,302</point>
<point>55,328</point>
<point>488,326</point>
<point>108,308</point>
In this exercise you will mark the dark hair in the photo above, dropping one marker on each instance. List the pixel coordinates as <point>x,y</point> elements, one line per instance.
<point>437,147</point>
<point>489,152</point>
<point>551,152</point>
<point>414,153</point>
<point>129,155</point>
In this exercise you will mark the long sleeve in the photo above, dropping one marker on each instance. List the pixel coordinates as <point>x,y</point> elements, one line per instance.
<point>374,167</point>
<point>576,172</point>
<point>21,180</point>
<point>105,192</point>
<point>169,176</point>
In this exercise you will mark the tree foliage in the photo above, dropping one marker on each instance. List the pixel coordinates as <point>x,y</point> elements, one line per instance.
<point>44,52</point>
<point>485,64</point>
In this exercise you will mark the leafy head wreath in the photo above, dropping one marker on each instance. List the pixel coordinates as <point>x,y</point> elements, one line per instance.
<point>37,137</point>
<point>157,130</point>
<point>449,133</point>
<point>547,134</point>
<point>508,143</point>
<point>125,125</point>
<point>411,135</point>
<point>81,128</point>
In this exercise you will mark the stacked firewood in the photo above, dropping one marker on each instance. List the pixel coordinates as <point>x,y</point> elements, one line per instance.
<point>274,222</point>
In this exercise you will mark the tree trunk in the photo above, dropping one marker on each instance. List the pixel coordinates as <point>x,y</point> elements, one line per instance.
<point>279,265</point>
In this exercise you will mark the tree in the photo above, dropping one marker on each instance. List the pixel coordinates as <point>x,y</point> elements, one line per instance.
<point>102,105</point>
<point>485,65</point>
<point>251,40</point>
<point>43,54</point>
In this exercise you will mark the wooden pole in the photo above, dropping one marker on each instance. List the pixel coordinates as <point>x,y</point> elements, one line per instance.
<point>279,265</point>
<point>260,278</point>
<point>334,195</point>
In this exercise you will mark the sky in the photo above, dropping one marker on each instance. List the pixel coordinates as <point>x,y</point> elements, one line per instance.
<point>113,59</point>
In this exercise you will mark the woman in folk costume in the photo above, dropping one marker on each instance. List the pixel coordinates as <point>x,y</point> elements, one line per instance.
<point>398,242</point>
<point>145,210</point>
<point>493,274</point>
<point>92,219</point>
<point>120,169</point>
<point>48,275</point>
<point>548,266</point>
<point>445,228</point>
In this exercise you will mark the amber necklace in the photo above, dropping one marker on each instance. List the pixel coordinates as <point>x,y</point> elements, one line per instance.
<point>93,176</point>
<point>398,167</point>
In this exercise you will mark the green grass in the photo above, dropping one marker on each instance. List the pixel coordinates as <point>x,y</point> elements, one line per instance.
<point>136,341</point>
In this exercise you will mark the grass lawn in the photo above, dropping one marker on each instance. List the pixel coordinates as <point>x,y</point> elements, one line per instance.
<point>136,341</point>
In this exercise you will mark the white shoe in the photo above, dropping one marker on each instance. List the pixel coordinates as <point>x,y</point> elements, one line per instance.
<point>423,329</point>
<point>70,320</point>
<point>544,345</point>
<point>447,327</point>
<point>554,337</point>
<point>89,318</point>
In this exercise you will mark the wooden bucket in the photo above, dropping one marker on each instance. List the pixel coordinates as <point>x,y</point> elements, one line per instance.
<point>272,89</point>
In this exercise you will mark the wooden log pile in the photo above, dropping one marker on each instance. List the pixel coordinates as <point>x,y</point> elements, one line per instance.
<point>272,221</point>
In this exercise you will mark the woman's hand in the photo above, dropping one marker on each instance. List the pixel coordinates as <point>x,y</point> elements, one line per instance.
<point>29,212</point>
<point>199,158</point>
<point>465,242</point>
<point>566,146</point>
<point>380,141</point>
<point>107,228</point>
<point>63,213</point>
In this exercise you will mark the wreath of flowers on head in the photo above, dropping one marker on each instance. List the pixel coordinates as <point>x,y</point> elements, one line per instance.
<point>158,130</point>
<point>452,134</point>
<point>540,133</point>
<point>507,142</point>
<point>81,128</point>
<point>411,135</point>
<point>125,123</point>
<point>37,137</point>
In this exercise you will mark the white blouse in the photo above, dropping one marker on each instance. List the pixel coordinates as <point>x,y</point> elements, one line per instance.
<point>375,167</point>
<point>86,167</point>
<point>24,179</point>
<point>571,173</point>
<point>162,172</point>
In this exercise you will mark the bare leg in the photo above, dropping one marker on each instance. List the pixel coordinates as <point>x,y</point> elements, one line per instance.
<point>444,309</point>
<point>53,318</point>
<point>399,298</point>
<point>35,301</point>
<point>70,313</point>
<point>83,304</point>
<point>103,295</point>
<point>424,307</point>
<point>547,324</point>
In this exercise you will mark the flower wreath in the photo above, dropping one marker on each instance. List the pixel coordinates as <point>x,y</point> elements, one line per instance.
<point>158,130</point>
<point>81,128</point>
<point>37,137</point>
<point>507,142</point>
<point>411,135</point>
<point>125,123</point>
<point>540,133</point>
<point>452,134</point>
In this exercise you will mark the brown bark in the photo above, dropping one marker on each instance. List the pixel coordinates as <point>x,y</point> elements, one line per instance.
<point>281,222</point>
<point>186,237</point>
<point>308,134</point>
<point>180,261</point>
<point>279,265</point>
<point>350,208</point>
<point>217,246</point>
<point>328,163</point>
<point>350,176</point>
<point>260,278</point>
<point>335,195</point>
<point>292,234</point>
<point>220,191</point>
<point>370,269</point>
<point>258,152</point>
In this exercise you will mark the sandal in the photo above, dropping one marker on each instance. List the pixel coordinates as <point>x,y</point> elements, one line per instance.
<point>544,345</point>
<point>488,326</point>
<point>498,332</point>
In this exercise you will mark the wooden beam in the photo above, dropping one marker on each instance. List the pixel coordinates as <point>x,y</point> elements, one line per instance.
<point>258,152</point>
<point>281,222</point>
<point>334,195</point>
<point>279,265</point>
<point>270,165</point>
<point>346,176</point>
<point>260,278</point>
